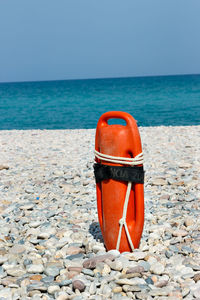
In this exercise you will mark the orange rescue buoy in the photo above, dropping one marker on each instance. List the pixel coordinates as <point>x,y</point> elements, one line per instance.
<point>119,177</point>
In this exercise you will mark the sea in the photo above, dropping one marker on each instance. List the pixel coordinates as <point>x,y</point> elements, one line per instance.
<point>76,104</point>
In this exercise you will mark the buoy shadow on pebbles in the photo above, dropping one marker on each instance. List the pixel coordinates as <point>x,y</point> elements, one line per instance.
<point>95,231</point>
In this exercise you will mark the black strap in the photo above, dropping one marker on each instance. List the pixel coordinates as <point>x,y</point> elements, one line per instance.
<point>104,172</point>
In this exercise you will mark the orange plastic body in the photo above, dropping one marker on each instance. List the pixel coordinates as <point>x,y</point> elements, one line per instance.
<point>119,140</point>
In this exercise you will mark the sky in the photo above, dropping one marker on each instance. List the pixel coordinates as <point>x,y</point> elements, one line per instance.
<point>78,39</point>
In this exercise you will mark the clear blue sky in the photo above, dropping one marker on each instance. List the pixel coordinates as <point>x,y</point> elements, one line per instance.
<point>72,39</point>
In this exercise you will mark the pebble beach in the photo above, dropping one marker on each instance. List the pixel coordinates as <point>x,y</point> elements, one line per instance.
<point>50,241</point>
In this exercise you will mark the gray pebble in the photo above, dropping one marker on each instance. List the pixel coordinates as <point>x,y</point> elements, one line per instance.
<point>52,271</point>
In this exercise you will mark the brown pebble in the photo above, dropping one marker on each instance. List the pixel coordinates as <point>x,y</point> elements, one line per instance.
<point>130,275</point>
<point>8,280</point>
<point>74,250</point>
<point>147,257</point>
<point>5,202</point>
<point>196,277</point>
<point>179,183</point>
<point>188,222</point>
<point>92,262</point>
<point>79,285</point>
<point>75,269</point>
<point>89,264</point>
<point>58,256</point>
<point>2,167</point>
<point>179,233</point>
<point>154,278</point>
<point>117,289</point>
<point>40,247</point>
<point>165,197</point>
<point>36,277</point>
<point>137,269</point>
<point>161,283</point>
<point>175,294</point>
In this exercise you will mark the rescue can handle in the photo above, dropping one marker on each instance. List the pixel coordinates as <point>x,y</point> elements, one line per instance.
<point>130,121</point>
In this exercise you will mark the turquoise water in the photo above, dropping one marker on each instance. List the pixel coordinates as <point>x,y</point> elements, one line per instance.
<point>153,101</point>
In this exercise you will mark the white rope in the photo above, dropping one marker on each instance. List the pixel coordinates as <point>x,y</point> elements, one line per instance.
<point>137,160</point>
<point>122,221</point>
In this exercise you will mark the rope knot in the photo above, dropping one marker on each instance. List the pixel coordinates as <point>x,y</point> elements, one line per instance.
<point>122,221</point>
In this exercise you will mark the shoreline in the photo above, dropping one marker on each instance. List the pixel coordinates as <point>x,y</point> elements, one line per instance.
<point>75,129</point>
<point>49,224</point>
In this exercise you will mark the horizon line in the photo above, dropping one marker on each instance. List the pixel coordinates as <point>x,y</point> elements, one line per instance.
<point>99,78</point>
